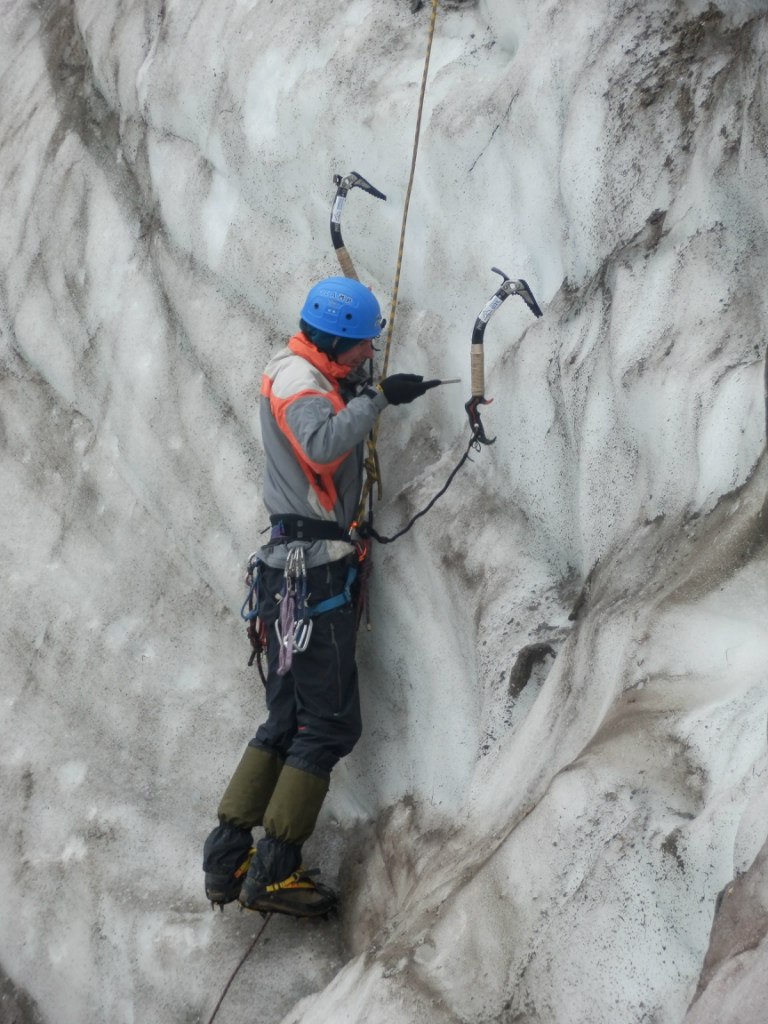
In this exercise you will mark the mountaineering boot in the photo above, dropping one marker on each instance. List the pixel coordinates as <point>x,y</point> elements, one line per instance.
<point>226,856</point>
<point>277,883</point>
<point>297,895</point>
<point>272,861</point>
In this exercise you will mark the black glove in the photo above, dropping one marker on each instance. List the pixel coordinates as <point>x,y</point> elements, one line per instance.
<point>401,388</point>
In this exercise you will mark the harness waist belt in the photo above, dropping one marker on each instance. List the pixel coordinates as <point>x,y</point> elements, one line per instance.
<point>293,527</point>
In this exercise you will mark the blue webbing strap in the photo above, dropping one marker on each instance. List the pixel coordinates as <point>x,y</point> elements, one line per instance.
<point>339,600</point>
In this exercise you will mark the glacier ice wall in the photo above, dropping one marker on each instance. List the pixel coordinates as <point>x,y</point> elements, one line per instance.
<point>517,838</point>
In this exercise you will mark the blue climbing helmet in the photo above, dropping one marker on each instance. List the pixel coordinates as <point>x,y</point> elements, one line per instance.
<point>342,308</point>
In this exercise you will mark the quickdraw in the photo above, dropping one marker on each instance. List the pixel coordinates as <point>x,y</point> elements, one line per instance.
<point>293,625</point>
<point>256,629</point>
<point>477,364</point>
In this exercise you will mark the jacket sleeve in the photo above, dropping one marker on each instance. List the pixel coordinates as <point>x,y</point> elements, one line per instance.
<point>324,435</point>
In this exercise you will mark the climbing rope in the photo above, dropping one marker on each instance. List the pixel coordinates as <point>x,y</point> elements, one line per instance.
<point>371,463</point>
<point>234,973</point>
<point>409,189</point>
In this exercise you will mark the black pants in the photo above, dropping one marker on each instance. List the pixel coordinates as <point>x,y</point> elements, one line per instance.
<point>314,710</point>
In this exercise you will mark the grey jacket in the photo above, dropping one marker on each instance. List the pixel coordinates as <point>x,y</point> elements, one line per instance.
<point>313,440</point>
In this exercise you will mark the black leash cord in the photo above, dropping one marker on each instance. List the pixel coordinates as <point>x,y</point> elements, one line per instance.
<point>368,530</point>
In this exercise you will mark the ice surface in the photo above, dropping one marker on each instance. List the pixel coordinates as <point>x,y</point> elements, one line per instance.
<point>522,837</point>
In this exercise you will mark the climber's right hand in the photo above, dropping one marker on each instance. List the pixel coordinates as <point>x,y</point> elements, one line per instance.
<point>401,388</point>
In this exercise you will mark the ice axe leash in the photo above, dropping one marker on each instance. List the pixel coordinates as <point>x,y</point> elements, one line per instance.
<point>477,356</point>
<point>478,438</point>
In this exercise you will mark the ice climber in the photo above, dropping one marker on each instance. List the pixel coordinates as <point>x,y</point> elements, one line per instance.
<point>316,411</point>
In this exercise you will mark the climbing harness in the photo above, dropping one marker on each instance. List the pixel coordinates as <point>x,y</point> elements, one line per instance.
<point>293,626</point>
<point>477,358</point>
<point>293,527</point>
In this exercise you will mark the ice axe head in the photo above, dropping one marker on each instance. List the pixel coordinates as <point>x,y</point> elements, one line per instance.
<point>355,180</point>
<point>521,288</point>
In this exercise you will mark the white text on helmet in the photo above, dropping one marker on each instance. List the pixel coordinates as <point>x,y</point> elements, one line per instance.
<point>338,296</point>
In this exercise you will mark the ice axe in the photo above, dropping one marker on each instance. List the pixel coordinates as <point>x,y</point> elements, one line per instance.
<point>507,288</point>
<point>343,187</point>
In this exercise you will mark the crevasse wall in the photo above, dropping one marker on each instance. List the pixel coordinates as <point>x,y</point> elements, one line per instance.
<point>550,854</point>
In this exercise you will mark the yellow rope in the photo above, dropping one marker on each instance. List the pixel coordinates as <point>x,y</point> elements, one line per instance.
<point>396,285</point>
<point>372,459</point>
